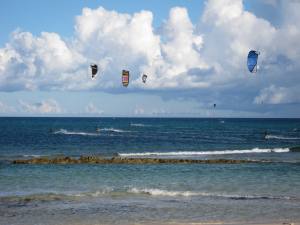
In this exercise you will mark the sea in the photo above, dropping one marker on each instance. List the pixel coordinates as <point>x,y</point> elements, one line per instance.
<point>265,191</point>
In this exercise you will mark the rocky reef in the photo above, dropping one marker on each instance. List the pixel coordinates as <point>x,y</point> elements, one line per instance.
<point>122,160</point>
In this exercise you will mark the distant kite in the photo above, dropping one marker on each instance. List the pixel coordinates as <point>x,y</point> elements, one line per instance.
<point>125,78</point>
<point>252,61</point>
<point>94,70</point>
<point>144,78</point>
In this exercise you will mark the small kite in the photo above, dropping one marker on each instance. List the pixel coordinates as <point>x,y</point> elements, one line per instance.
<point>125,78</point>
<point>94,70</point>
<point>144,78</point>
<point>252,61</point>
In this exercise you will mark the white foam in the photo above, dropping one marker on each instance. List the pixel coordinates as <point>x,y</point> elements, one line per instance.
<point>33,156</point>
<point>114,130</point>
<point>195,153</point>
<point>139,125</point>
<point>281,137</point>
<point>92,194</point>
<point>160,192</point>
<point>66,132</point>
<point>138,191</point>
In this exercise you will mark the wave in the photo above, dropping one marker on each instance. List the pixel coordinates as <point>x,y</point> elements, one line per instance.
<point>160,192</point>
<point>281,137</point>
<point>139,125</point>
<point>66,132</point>
<point>53,196</point>
<point>33,156</point>
<point>194,153</point>
<point>114,130</point>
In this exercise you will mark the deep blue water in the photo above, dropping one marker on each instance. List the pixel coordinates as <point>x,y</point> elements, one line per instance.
<point>77,136</point>
<point>121,194</point>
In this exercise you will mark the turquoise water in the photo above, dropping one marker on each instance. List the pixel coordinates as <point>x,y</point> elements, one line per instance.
<point>126,194</point>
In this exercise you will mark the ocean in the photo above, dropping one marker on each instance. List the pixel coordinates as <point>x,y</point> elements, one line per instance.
<point>150,193</point>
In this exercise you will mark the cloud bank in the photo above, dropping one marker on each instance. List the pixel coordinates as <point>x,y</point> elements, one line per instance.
<point>207,59</point>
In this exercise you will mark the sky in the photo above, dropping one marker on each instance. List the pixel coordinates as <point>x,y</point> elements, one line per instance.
<point>194,53</point>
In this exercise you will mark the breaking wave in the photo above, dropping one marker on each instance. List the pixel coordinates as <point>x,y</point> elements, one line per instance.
<point>139,125</point>
<point>160,192</point>
<point>194,153</point>
<point>281,137</point>
<point>52,196</point>
<point>66,132</point>
<point>114,130</point>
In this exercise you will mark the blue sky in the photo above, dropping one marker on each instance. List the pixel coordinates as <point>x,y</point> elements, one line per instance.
<point>59,15</point>
<point>194,53</point>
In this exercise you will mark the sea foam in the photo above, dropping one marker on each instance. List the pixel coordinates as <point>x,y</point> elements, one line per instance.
<point>281,137</point>
<point>195,153</point>
<point>66,132</point>
<point>114,130</point>
<point>168,193</point>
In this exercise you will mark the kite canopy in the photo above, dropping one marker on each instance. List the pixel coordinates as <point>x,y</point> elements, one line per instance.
<point>125,78</point>
<point>94,69</point>
<point>144,78</point>
<point>252,61</point>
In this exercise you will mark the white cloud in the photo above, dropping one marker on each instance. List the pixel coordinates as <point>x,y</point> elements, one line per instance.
<point>206,59</point>
<point>43,107</point>
<point>278,95</point>
<point>116,41</point>
<point>4,108</point>
<point>92,109</point>
<point>180,52</point>
<point>45,62</point>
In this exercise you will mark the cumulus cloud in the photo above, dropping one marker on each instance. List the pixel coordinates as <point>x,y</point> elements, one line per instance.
<point>92,109</point>
<point>278,95</point>
<point>233,31</point>
<point>45,62</point>
<point>180,53</point>
<point>207,58</point>
<point>44,107</point>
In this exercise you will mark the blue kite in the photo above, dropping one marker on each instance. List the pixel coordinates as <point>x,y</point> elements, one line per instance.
<point>252,61</point>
